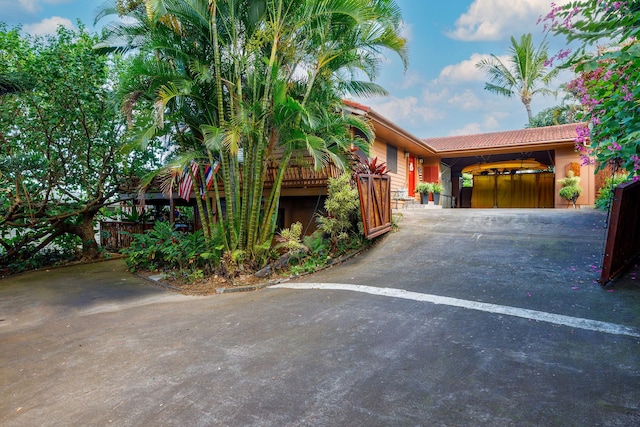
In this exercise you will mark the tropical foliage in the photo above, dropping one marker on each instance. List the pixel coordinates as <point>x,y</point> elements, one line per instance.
<point>342,208</point>
<point>607,81</point>
<point>553,116</point>
<point>252,85</point>
<point>164,248</point>
<point>524,74</point>
<point>60,157</point>
<point>605,194</point>
<point>339,231</point>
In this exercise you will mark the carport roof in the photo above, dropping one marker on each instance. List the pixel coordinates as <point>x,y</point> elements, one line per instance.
<point>533,138</point>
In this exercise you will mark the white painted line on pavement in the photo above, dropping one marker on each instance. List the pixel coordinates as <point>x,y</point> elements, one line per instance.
<point>557,319</point>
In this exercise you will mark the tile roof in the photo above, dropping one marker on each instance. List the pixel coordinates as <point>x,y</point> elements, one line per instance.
<point>354,104</point>
<point>531,137</point>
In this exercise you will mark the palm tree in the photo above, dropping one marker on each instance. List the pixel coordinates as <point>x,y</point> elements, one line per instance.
<point>250,83</point>
<point>524,74</point>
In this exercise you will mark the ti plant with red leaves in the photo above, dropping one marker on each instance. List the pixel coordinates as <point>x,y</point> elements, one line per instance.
<point>366,166</point>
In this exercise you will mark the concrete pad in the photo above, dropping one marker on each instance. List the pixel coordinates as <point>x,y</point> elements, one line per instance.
<point>92,345</point>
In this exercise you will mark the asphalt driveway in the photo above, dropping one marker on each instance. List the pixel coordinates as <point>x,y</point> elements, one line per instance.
<point>463,317</point>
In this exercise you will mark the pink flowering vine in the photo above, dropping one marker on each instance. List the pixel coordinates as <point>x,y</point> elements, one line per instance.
<point>606,82</point>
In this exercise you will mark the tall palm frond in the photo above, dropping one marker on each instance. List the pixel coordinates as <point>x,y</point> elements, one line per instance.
<point>524,74</point>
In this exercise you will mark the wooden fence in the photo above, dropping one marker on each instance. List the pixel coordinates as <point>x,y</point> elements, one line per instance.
<point>112,236</point>
<point>375,201</point>
<point>623,234</point>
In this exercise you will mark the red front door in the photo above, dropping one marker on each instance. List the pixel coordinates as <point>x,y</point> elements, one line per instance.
<point>411,175</point>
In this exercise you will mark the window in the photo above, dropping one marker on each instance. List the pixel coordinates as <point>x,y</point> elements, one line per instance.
<point>392,159</point>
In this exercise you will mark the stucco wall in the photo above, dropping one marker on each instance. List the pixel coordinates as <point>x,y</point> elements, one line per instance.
<point>564,157</point>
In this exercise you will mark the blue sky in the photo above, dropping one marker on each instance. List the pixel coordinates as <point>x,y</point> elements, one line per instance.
<point>442,93</point>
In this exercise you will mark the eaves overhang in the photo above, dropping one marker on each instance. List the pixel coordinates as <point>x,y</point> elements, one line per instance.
<point>389,132</point>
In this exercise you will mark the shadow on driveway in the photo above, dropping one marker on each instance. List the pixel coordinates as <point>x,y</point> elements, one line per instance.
<point>34,298</point>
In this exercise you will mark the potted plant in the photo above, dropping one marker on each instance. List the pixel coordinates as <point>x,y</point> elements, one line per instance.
<point>571,189</point>
<point>436,189</point>
<point>424,188</point>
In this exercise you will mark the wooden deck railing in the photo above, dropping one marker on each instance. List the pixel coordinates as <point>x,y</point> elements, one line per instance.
<point>302,176</point>
<point>296,176</point>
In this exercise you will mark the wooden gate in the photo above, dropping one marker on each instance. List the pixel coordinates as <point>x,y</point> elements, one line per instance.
<point>623,234</point>
<point>375,203</point>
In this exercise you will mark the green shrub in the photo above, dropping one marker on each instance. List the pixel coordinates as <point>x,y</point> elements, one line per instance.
<point>343,207</point>
<point>467,180</point>
<point>428,188</point>
<point>436,188</point>
<point>424,188</point>
<point>605,194</point>
<point>165,248</point>
<point>289,239</point>
<point>571,189</point>
<point>62,249</point>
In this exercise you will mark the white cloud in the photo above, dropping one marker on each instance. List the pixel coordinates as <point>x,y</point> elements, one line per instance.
<point>494,19</point>
<point>490,123</point>
<point>47,26</point>
<point>407,110</point>
<point>12,9</point>
<point>406,31</point>
<point>466,100</point>
<point>409,80</point>
<point>29,5</point>
<point>19,10</point>
<point>466,71</point>
<point>468,129</point>
<point>434,97</point>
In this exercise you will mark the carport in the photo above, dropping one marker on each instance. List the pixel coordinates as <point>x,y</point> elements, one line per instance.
<point>508,183</point>
<point>502,174</point>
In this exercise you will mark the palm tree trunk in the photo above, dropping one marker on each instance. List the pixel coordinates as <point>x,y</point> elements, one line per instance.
<point>527,105</point>
<point>258,174</point>
<point>271,208</point>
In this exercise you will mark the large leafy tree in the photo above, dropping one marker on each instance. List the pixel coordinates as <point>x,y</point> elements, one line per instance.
<point>607,63</point>
<point>253,85</point>
<point>59,133</point>
<point>524,74</point>
<point>12,78</point>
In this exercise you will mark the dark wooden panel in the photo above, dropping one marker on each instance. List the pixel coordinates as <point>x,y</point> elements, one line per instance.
<point>623,234</point>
